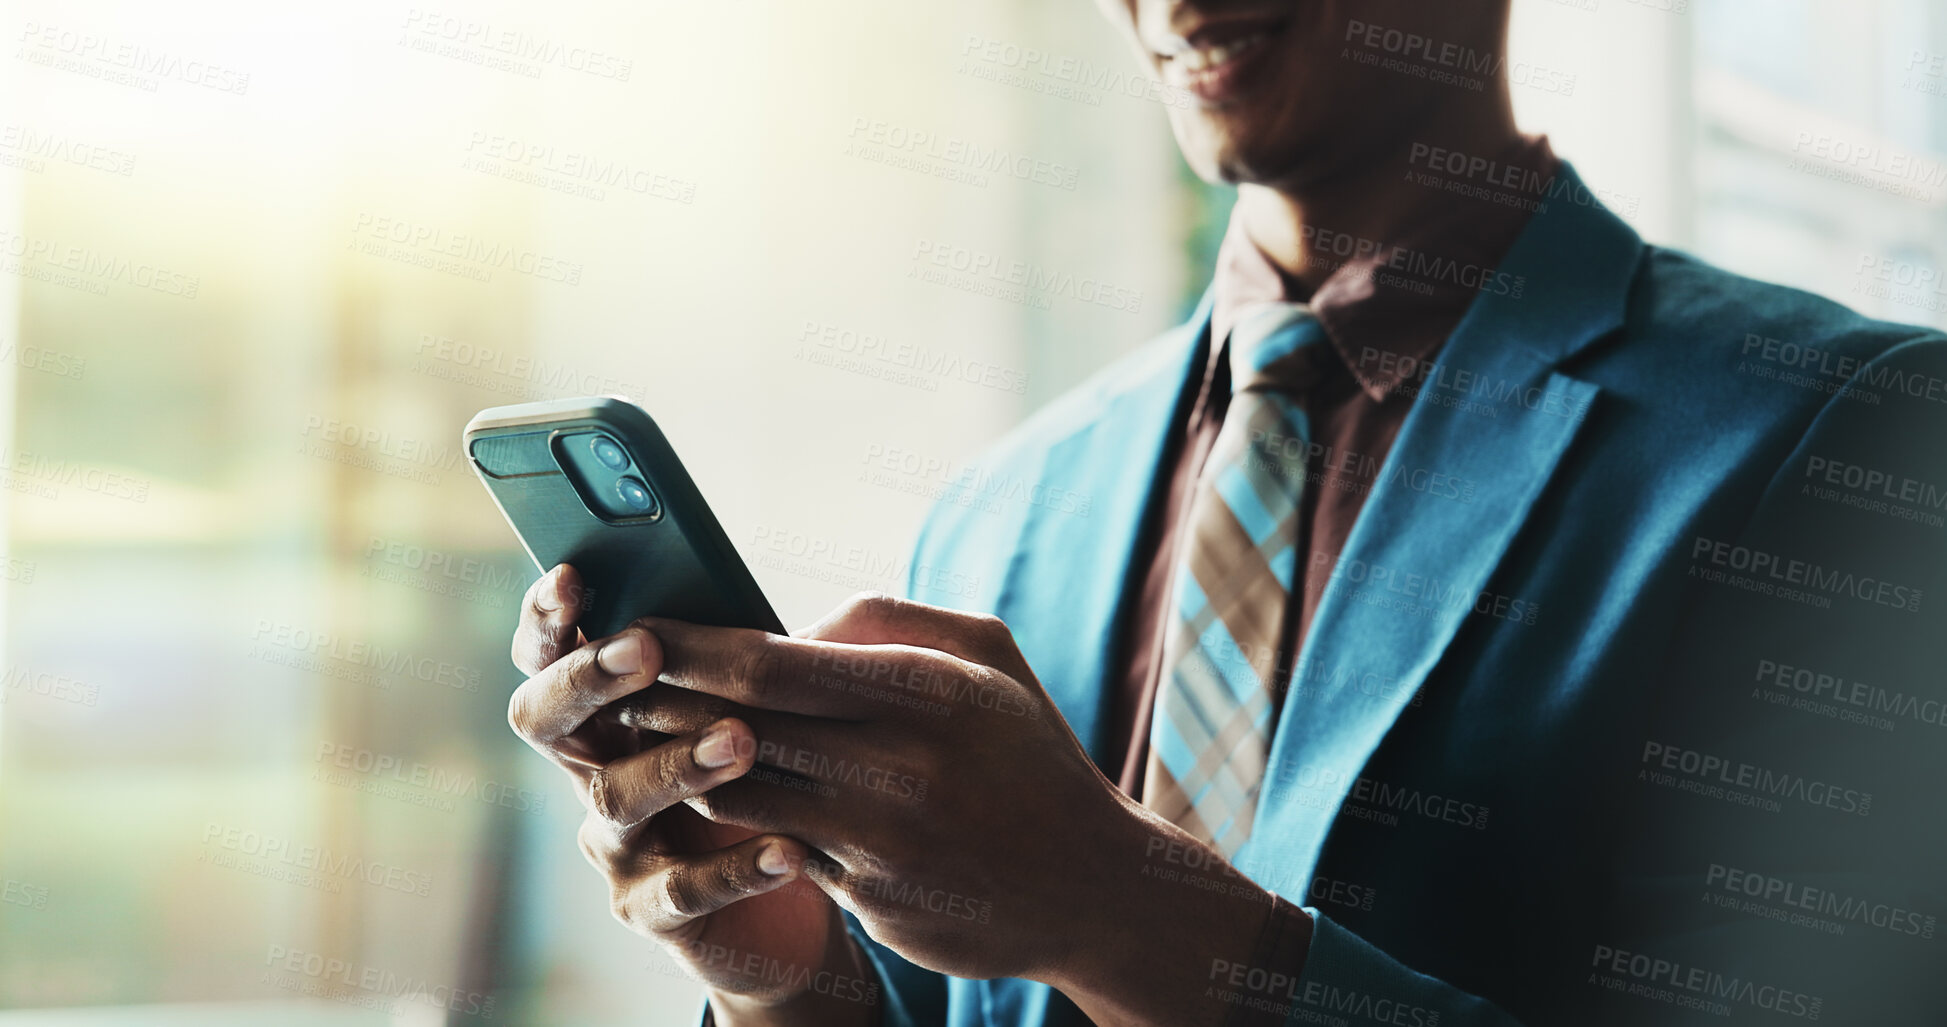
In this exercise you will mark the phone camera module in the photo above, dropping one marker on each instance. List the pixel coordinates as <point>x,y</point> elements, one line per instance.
<point>612,457</point>
<point>635,495</point>
<point>605,476</point>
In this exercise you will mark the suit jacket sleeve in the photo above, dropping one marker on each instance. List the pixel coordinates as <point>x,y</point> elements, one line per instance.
<point>1345,979</point>
<point>909,996</point>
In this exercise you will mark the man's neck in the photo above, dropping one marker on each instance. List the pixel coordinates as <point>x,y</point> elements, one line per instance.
<point>1373,201</point>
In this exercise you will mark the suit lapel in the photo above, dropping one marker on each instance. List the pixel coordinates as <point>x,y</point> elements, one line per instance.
<point>1070,571</point>
<point>1495,418</point>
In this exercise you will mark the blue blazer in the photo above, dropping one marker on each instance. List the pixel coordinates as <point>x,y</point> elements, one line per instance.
<point>1641,722</point>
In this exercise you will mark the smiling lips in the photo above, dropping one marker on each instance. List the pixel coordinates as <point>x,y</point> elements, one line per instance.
<point>1212,67</point>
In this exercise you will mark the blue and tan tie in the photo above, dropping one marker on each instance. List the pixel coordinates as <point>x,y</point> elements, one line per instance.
<point>1236,568</point>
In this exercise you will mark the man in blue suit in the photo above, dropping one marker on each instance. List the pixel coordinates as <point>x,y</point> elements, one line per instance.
<point>1471,615</point>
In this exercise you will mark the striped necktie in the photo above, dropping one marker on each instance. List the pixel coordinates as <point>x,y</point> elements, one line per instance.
<point>1236,568</point>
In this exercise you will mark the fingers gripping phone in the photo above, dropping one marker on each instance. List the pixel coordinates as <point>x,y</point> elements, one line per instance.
<point>593,483</point>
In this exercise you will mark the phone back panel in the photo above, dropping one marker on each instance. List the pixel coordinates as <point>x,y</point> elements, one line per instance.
<point>680,565</point>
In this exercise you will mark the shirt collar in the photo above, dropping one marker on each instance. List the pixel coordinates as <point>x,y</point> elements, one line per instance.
<point>1390,306</point>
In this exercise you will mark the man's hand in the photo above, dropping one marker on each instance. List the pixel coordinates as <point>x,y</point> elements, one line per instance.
<point>729,904</point>
<point>953,810</point>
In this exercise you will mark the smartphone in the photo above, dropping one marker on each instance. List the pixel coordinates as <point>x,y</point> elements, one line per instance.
<point>592,482</point>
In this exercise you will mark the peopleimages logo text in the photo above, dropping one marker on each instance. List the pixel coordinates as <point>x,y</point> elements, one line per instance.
<point>1804,574</point>
<point>1704,984</point>
<point>1712,769</point>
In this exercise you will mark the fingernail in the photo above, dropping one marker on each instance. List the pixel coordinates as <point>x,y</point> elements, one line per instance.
<point>771,860</point>
<point>622,656</point>
<point>549,597</point>
<point>717,749</point>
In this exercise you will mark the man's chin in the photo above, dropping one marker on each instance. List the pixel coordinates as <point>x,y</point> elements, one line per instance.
<point>1255,154</point>
<point>1218,153</point>
<point>1250,162</point>
<point>1223,145</point>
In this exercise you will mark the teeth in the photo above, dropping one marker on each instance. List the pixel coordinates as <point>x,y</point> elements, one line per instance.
<point>1203,58</point>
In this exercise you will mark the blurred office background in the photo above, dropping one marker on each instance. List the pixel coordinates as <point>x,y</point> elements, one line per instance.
<point>263,261</point>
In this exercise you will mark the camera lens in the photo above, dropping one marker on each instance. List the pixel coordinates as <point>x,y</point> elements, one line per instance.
<point>609,453</point>
<point>635,494</point>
